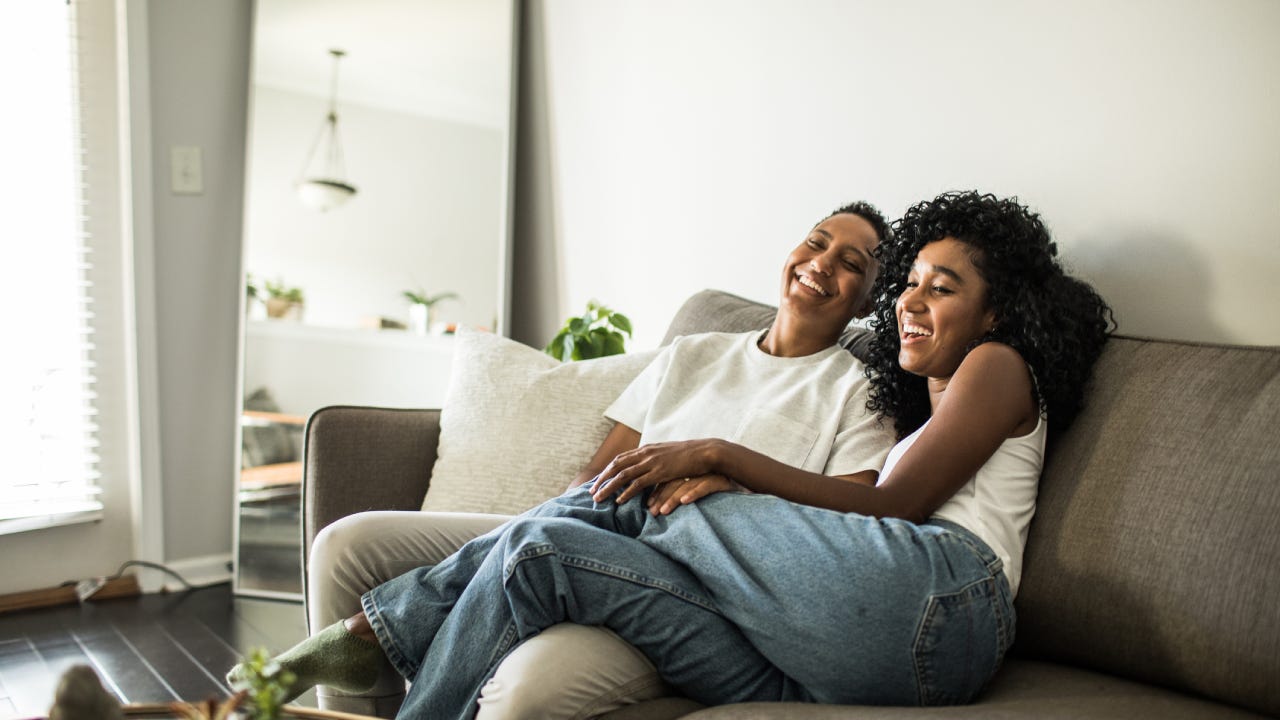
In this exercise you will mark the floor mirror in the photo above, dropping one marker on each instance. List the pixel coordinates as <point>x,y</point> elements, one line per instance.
<point>377,224</point>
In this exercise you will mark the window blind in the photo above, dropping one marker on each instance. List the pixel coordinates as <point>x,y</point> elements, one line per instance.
<point>48,432</point>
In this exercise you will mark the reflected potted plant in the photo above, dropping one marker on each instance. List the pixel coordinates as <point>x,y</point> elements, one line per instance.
<point>252,292</point>
<point>422,308</point>
<point>283,302</point>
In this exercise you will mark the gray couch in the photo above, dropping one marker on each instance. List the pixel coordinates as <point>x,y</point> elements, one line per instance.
<point>1151,585</point>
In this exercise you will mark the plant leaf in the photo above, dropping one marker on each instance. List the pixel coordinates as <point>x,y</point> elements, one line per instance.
<point>555,348</point>
<point>578,326</point>
<point>621,322</point>
<point>598,338</point>
<point>438,297</point>
<point>614,344</point>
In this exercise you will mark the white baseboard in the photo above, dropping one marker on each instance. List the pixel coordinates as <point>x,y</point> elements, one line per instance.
<point>206,570</point>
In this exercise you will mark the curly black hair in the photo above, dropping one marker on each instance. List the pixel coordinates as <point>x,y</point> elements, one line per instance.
<point>1057,323</point>
<point>868,212</point>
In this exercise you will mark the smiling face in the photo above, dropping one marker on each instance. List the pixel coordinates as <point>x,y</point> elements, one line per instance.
<point>828,277</point>
<point>942,311</point>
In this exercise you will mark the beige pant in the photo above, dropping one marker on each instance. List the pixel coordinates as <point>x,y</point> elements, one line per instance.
<point>567,671</point>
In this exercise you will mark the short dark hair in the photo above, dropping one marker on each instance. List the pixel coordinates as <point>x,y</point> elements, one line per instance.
<point>1056,322</point>
<point>868,212</point>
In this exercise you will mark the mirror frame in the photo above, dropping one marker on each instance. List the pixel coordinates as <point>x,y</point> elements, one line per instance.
<point>503,305</point>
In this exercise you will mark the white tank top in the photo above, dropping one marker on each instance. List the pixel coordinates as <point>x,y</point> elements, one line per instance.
<point>998,501</point>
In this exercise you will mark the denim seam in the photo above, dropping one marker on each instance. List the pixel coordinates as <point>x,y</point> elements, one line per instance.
<point>592,565</point>
<point>385,638</point>
<point>509,638</point>
<point>503,648</point>
<point>1003,607</point>
<point>931,607</point>
<point>994,565</point>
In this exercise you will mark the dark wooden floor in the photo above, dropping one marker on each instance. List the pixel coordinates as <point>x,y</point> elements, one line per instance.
<point>154,648</point>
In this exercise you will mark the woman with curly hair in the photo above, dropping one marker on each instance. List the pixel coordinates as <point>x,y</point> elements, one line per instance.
<point>806,587</point>
<point>1056,323</point>
<point>904,595</point>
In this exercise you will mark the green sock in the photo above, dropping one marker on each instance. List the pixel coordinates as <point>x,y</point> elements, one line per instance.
<point>334,657</point>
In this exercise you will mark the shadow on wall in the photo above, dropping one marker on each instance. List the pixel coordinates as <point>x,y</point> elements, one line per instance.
<point>1158,285</point>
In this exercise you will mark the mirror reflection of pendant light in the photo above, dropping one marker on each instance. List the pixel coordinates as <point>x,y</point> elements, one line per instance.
<point>328,189</point>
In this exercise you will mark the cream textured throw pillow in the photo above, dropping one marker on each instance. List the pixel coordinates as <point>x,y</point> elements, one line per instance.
<point>517,425</point>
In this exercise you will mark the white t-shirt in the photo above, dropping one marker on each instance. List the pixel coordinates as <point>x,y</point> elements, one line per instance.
<point>808,412</point>
<point>998,501</point>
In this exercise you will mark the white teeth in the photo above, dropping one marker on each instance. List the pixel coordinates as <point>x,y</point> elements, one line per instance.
<point>811,284</point>
<point>913,329</point>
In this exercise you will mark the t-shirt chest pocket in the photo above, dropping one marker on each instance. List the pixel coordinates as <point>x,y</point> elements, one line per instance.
<point>778,436</point>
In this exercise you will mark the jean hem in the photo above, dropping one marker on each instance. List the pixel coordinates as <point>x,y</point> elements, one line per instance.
<point>385,638</point>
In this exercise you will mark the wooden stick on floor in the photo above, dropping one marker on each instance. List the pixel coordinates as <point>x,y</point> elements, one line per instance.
<point>123,586</point>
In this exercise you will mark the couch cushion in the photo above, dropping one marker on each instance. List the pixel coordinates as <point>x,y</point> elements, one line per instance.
<point>1155,550</point>
<point>1023,689</point>
<point>517,425</point>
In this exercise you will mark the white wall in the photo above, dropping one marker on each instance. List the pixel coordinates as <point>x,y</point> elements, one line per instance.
<point>692,144</point>
<point>199,73</point>
<point>416,221</point>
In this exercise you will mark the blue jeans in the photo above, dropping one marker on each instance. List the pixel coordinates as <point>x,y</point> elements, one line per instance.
<point>858,610</point>
<point>735,598</point>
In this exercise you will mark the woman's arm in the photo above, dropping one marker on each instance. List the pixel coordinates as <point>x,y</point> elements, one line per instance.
<point>620,439</point>
<point>631,472</point>
<point>623,438</point>
<point>987,400</point>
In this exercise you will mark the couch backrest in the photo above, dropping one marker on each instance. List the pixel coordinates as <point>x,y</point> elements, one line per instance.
<point>718,311</point>
<point>1155,550</point>
<point>715,311</point>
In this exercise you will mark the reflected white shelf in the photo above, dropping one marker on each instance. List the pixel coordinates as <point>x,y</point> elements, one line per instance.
<point>288,329</point>
<point>306,367</point>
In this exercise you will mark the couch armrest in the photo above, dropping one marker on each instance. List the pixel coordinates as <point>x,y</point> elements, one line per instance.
<point>362,458</point>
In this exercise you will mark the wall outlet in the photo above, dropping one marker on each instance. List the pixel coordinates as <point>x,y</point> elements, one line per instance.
<point>186,170</point>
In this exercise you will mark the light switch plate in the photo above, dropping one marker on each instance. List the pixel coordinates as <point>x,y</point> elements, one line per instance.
<point>186,171</point>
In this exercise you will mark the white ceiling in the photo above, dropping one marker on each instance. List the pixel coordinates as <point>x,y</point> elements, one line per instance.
<point>439,58</point>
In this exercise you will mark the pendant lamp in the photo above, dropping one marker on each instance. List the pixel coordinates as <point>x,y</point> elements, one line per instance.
<point>327,189</point>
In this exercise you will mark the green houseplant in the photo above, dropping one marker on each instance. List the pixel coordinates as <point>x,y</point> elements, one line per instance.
<point>596,333</point>
<point>264,686</point>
